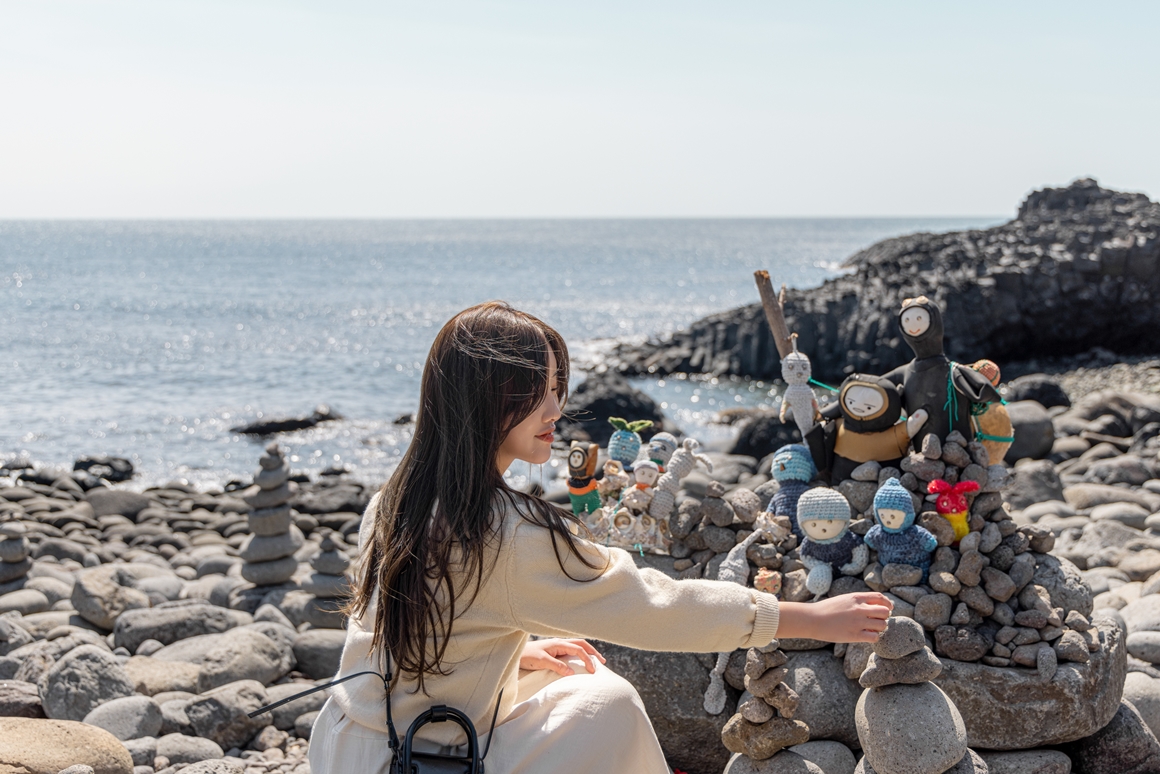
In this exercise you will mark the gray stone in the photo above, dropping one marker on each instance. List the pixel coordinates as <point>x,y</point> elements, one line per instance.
<point>1013,709</point>
<point>12,637</point>
<point>24,601</point>
<point>237,654</point>
<point>784,762</point>
<point>182,748</point>
<point>1072,647</point>
<point>214,767</point>
<point>327,586</point>
<point>960,643</point>
<point>318,652</point>
<point>270,573</point>
<point>910,729</point>
<point>1145,645</point>
<point>143,750</point>
<point>1033,430</point>
<point>1027,762</point>
<point>285,715</point>
<point>259,548</point>
<point>1143,691</point>
<point>763,741</point>
<point>933,611</point>
<point>1128,514</point>
<point>830,757</point>
<point>1081,496</point>
<point>1064,583</point>
<point>901,637</point>
<point>152,676</point>
<point>84,678</point>
<point>78,768</point>
<point>100,596</point>
<point>221,714</point>
<point>130,717</point>
<point>19,699</point>
<point>168,625</point>
<point>901,574</point>
<point>1142,615</point>
<point>827,696</point>
<point>1124,746</point>
<point>915,668</point>
<point>109,502</point>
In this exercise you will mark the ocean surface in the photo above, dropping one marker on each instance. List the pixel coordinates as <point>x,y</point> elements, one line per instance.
<point>151,339</point>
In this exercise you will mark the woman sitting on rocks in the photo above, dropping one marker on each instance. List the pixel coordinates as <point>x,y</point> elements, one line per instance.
<point>458,569</point>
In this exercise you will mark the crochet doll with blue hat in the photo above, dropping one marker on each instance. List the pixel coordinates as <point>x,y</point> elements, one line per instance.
<point>793,469</point>
<point>829,546</point>
<point>896,538</point>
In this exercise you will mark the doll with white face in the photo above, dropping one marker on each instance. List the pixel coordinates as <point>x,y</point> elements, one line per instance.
<point>829,546</point>
<point>796,371</point>
<point>639,496</point>
<point>896,538</point>
<point>863,426</point>
<point>614,482</point>
<point>931,382</point>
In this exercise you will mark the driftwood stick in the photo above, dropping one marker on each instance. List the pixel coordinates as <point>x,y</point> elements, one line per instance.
<point>774,312</point>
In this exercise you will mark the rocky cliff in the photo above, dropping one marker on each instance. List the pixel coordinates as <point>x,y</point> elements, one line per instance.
<point>1079,267</point>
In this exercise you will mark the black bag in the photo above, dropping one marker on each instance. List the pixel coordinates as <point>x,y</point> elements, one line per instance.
<point>405,760</point>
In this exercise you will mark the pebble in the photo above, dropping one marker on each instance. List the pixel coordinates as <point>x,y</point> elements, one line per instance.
<point>901,637</point>
<point>919,667</point>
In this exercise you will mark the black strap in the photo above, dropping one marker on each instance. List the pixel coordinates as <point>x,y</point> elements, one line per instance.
<point>441,710</point>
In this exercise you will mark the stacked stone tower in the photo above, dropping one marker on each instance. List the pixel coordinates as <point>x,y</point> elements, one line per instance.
<point>268,554</point>
<point>329,583</point>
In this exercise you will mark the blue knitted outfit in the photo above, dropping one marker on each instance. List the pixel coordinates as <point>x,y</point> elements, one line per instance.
<point>836,554</point>
<point>910,546</point>
<point>785,503</point>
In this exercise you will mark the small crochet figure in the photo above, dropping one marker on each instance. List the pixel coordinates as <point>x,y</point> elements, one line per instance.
<point>639,496</point>
<point>863,426</point>
<point>581,482</point>
<point>993,427</point>
<point>945,390</point>
<point>796,371</point>
<point>735,569</point>
<point>624,444</point>
<point>614,482</point>
<point>952,503</point>
<point>600,525</point>
<point>681,464</point>
<point>793,468</point>
<point>660,449</point>
<point>896,538</point>
<point>829,545</point>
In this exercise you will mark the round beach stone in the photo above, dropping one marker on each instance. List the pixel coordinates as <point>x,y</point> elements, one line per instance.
<point>919,667</point>
<point>827,696</point>
<point>131,717</point>
<point>84,678</point>
<point>10,571</point>
<point>325,586</point>
<point>784,762</point>
<point>259,548</point>
<point>1145,646</point>
<point>24,601</point>
<point>101,594</point>
<point>1129,514</point>
<point>330,562</point>
<point>1143,692</point>
<point>1143,614</point>
<point>271,521</point>
<point>14,549</point>
<point>19,699</point>
<point>910,729</point>
<point>765,740</point>
<point>318,652</point>
<point>1027,762</point>
<point>830,757</point>
<point>270,573</point>
<point>272,478</point>
<point>170,624</point>
<point>38,746</point>
<point>1124,746</point>
<point>901,637</point>
<point>181,748</point>
<point>222,714</point>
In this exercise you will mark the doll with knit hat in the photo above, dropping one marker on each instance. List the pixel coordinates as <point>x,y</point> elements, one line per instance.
<point>793,469</point>
<point>829,546</point>
<point>896,538</point>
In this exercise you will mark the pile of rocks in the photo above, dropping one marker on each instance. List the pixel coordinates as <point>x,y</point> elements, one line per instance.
<point>906,724</point>
<point>268,554</point>
<point>329,583</point>
<point>14,561</point>
<point>764,724</point>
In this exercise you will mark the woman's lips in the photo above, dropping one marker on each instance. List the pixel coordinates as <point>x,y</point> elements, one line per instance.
<point>547,437</point>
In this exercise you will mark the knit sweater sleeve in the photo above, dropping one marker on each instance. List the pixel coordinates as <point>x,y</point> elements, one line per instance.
<point>625,605</point>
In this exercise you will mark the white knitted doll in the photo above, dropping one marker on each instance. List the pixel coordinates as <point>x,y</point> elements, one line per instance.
<point>680,465</point>
<point>796,372</point>
<point>734,568</point>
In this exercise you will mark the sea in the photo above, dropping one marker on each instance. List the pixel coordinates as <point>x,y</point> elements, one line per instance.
<point>151,340</point>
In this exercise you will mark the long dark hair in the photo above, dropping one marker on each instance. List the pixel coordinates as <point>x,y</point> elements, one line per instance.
<point>436,516</point>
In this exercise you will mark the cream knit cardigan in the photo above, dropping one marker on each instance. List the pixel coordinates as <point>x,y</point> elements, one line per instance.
<point>527,593</point>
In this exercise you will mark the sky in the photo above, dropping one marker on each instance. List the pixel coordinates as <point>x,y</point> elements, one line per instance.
<point>478,109</point>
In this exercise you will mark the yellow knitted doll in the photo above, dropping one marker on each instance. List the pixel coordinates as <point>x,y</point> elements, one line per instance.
<point>993,426</point>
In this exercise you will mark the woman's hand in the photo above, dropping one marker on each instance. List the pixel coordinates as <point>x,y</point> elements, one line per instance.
<point>544,654</point>
<point>849,618</point>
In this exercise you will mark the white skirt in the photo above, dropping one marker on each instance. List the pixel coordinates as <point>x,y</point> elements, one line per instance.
<point>580,723</point>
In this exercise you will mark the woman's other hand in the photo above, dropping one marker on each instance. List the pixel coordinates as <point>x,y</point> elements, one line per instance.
<point>546,654</point>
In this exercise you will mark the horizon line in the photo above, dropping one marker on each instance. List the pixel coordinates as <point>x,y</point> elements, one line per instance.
<point>447,218</point>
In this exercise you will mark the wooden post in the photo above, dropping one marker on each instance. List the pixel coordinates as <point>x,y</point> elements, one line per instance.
<point>774,307</point>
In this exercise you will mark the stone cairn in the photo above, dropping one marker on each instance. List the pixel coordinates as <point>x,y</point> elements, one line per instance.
<point>14,561</point>
<point>268,554</point>
<point>906,724</point>
<point>764,724</point>
<point>329,583</point>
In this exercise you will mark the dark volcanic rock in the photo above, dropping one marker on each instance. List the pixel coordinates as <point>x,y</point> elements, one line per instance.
<point>1079,267</point>
<point>1041,388</point>
<point>322,413</point>
<point>764,434</point>
<point>605,395</point>
<point>1124,746</point>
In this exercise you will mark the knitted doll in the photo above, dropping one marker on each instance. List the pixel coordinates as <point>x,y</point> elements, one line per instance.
<point>581,482</point>
<point>660,449</point>
<point>829,545</point>
<point>624,444</point>
<point>639,496</point>
<point>896,538</point>
<point>952,503</point>
<point>993,426</point>
<point>796,372</point>
<point>863,426</point>
<point>734,568</point>
<point>681,464</point>
<point>945,390</point>
<point>793,468</point>
<point>614,482</point>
